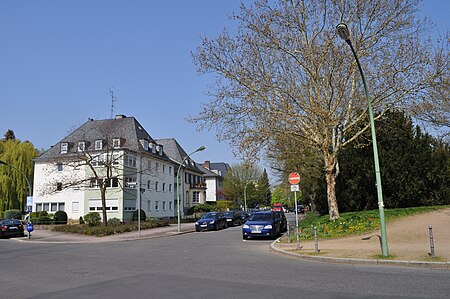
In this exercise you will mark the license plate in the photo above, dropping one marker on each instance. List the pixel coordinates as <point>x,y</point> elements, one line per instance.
<point>256,231</point>
<point>229,219</point>
<point>204,225</point>
<point>13,227</point>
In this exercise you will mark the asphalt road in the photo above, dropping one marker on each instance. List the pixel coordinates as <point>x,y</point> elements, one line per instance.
<point>198,265</point>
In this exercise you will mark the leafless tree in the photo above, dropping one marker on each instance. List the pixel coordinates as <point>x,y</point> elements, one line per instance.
<point>284,72</point>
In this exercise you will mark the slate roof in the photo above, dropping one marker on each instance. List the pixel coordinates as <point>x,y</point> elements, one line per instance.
<point>128,129</point>
<point>221,167</point>
<point>176,153</point>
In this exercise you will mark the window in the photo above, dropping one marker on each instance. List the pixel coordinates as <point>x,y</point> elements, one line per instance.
<point>144,144</point>
<point>53,207</point>
<point>98,144</point>
<point>170,187</point>
<point>149,205</point>
<point>157,166</point>
<point>153,148</point>
<point>195,197</point>
<point>98,160</point>
<point>61,206</point>
<point>75,207</point>
<point>170,205</point>
<point>170,169</point>
<point>64,147</point>
<point>164,168</point>
<point>156,205</point>
<point>38,207</point>
<point>58,186</point>
<point>59,167</point>
<point>130,161</point>
<point>149,183</point>
<point>96,205</point>
<point>156,186</point>
<point>130,182</point>
<point>164,187</point>
<point>114,182</point>
<point>46,206</point>
<point>164,205</point>
<point>116,142</point>
<point>81,146</point>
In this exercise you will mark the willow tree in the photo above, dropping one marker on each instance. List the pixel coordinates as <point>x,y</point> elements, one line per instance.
<point>284,71</point>
<point>13,184</point>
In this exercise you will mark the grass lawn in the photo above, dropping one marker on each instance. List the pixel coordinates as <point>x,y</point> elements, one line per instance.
<point>353,223</point>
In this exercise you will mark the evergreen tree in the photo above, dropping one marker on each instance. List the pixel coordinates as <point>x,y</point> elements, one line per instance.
<point>263,189</point>
<point>9,135</point>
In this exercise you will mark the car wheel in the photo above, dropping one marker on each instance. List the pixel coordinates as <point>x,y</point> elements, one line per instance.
<point>225,225</point>
<point>216,227</point>
<point>197,229</point>
<point>245,237</point>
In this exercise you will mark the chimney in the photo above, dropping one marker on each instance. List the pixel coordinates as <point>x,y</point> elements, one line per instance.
<point>207,164</point>
<point>120,116</point>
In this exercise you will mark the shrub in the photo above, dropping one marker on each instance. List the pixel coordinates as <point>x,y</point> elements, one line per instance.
<point>13,214</point>
<point>60,217</point>
<point>42,220</point>
<point>114,222</point>
<point>81,220</point>
<point>224,205</point>
<point>201,208</point>
<point>92,219</point>
<point>135,215</point>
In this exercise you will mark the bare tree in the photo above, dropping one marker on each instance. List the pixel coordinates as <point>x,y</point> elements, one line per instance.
<point>285,73</point>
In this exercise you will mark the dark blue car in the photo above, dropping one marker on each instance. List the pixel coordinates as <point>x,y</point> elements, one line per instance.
<point>262,224</point>
<point>211,221</point>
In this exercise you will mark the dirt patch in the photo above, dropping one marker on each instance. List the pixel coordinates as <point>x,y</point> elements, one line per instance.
<point>408,239</point>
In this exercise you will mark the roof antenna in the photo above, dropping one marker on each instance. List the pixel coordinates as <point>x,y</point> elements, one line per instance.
<point>113,100</point>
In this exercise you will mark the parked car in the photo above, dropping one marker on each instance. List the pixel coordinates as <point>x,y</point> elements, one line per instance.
<point>211,221</point>
<point>262,224</point>
<point>244,216</point>
<point>11,228</point>
<point>233,218</point>
<point>283,221</point>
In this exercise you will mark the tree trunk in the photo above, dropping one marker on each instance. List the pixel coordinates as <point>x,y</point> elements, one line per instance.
<point>330,175</point>
<point>103,194</point>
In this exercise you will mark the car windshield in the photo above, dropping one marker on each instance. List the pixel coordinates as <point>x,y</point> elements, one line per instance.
<point>209,216</point>
<point>261,217</point>
<point>11,221</point>
<point>229,214</point>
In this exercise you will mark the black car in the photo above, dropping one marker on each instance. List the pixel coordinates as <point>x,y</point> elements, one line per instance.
<point>211,221</point>
<point>244,216</point>
<point>11,228</point>
<point>262,224</point>
<point>233,218</point>
<point>283,221</point>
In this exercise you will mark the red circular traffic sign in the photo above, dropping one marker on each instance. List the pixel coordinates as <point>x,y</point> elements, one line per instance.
<point>294,178</point>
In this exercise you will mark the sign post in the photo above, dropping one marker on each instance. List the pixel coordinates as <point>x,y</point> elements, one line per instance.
<point>294,179</point>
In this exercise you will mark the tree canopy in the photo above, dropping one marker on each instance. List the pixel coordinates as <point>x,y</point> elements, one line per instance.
<point>285,75</point>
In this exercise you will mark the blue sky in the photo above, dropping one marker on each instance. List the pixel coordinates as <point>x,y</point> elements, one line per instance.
<point>58,59</point>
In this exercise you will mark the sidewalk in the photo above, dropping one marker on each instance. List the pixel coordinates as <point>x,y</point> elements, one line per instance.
<point>48,236</point>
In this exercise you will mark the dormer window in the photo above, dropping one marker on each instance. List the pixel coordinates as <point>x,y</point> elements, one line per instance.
<point>144,144</point>
<point>98,144</point>
<point>154,148</point>
<point>64,147</point>
<point>116,142</point>
<point>81,146</point>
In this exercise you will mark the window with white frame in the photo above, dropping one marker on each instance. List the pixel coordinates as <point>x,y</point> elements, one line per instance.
<point>64,147</point>
<point>59,167</point>
<point>149,205</point>
<point>170,187</point>
<point>156,166</point>
<point>154,148</point>
<point>195,197</point>
<point>130,160</point>
<point>170,169</point>
<point>144,144</point>
<point>96,205</point>
<point>116,143</point>
<point>75,207</point>
<point>156,186</point>
<point>98,144</point>
<point>130,182</point>
<point>164,187</point>
<point>149,184</point>
<point>170,205</point>
<point>81,146</point>
<point>157,205</point>
<point>50,206</point>
<point>164,205</point>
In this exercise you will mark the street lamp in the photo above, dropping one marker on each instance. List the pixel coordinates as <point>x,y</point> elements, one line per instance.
<point>178,184</point>
<point>344,33</point>
<point>245,196</point>
<point>28,184</point>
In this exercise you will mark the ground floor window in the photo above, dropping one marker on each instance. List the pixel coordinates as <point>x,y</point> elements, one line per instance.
<point>195,197</point>
<point>50,207</point>
<point>96,205</point>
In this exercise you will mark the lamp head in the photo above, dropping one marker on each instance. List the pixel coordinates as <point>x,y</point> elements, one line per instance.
<point>343,32</point>
<point>200,148</point>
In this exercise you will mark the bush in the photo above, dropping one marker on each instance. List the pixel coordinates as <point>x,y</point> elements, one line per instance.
<point>114,222</point>
<point>202,208</point>
<point>81,220</point>
<point>60,217</point>
<point>92,219</point>
<point>143,216</point>
<point>13,214</point>
<point>225,205</point>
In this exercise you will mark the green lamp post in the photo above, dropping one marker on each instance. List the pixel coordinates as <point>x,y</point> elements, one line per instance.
<point>344,33</point>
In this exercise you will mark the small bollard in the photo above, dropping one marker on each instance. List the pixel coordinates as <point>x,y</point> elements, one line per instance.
<point>316,242</point>
<point>430,230</point>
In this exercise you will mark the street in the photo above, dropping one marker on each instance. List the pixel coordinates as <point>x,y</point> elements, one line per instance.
<point>207,264</point>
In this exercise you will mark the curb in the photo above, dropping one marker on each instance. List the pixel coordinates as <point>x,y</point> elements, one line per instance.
<point>356,261</point>
<point>94,241</point>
